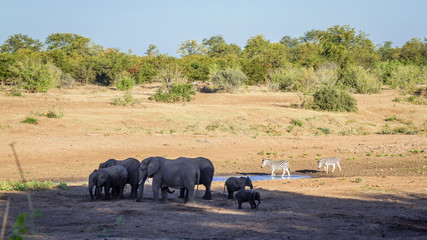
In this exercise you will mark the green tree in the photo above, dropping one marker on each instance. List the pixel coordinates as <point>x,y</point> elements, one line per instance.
<point>387,52</point>
<point>68,42</point>
<point>289,41</point>
<point>217,47</point>
<point>190,47</point>
<point>414,51</point>
<point>260,56</point>
<point>341,44</point>
<point>20,41</point>
<point>152,50</point>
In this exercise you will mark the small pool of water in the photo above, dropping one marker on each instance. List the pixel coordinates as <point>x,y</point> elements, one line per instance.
<point>261,177</point>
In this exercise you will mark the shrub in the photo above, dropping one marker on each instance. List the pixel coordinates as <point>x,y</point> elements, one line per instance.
<point>333,99</point>
<point>359,80</point>
<point>229,80</point>
<point>125,82</point>
<point>296,122</point>
<point>178,92</point>
<point>125,99</point>
<point>33,75</point>
<point>30,120</point>
<point>407,77</point>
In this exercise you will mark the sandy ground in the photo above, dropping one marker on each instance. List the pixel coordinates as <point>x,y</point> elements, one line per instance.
<point>381,191</point>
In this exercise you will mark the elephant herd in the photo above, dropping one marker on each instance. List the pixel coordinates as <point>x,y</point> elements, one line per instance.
<point>181,173</point>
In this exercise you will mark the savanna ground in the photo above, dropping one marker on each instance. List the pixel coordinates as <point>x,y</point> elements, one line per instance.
<point>380,193</point>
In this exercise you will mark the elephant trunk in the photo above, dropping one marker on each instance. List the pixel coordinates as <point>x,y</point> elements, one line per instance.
<point>90,189</point>
<point>140,189</point>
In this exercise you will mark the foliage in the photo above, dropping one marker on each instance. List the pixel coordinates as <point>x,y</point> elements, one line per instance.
<point>405,76</point>
<point>21,41</point>
<point>125,82</point>
<point>62,185</point>
<point>359,80</point>
<point>190,47</point>
<point>415,52</point>
<point>330,98</point>
<point>125,99</point>
<point>176,93</point>
<point>68,42</point>
<point>32,185</point>
<point>229,80</point>
<point>30,120</point>
<point>217,47</point>
<point>34,76</point>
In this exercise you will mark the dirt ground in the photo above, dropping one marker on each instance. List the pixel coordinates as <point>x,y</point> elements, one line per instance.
<point>381,191</point>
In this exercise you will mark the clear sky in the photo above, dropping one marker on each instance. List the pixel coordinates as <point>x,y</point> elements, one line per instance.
<point>131,24</point>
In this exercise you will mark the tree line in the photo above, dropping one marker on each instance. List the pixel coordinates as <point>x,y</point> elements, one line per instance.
<point>339,56</point>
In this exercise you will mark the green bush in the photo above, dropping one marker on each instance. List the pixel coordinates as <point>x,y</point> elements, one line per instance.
<point>229,80</point>
<point>333,99</point>
<point>407,77</point>
<point>30,120</point>
<point>125,82</point>
<point>33,75</point>
<point>178,92</point>
<point>32,185</point>
<point>125,99</point>
<point>359,80</point>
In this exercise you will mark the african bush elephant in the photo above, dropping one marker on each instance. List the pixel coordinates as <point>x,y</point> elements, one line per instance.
<point>250,196</point>
<point>132,166</point>
<point>113,177</point>
<point>234,184</point>
<point>206,175</point>
<point>166,173</point>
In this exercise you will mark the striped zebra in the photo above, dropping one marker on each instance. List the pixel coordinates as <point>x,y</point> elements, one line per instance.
<point>328,162</point>
<point>281,164</point>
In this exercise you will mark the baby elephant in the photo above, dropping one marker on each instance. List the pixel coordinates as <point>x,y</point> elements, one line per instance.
<point>234,184</point>
<point>250,196</point>
<point>113,178</point>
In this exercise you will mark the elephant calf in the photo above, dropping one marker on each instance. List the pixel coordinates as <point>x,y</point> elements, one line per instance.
<point>132,167</point>
<point>234,184</point>
<point>113,177</point>
<point>250,196</point>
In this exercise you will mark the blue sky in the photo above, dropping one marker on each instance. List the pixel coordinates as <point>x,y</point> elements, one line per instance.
<point>134,25</point>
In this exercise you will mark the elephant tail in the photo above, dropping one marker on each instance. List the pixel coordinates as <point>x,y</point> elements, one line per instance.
<point>223,192</point>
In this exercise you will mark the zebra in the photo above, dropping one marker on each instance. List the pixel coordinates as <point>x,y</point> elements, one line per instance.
<point>281,164</point>
<point>329,161</point>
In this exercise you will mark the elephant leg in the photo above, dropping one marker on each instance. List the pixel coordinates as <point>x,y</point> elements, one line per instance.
<point>189,196</point>
<point>164,194</point>
<point>230,192</point>
<point>239,201</point>
<point>208,194</point>
<point>121,190</point>
<point>252,203</point>
<point>181,193</point>
<point>107,192</point>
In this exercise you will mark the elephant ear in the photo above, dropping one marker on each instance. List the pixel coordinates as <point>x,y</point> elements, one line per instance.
<point>153,167</point>
<point>102,177</point>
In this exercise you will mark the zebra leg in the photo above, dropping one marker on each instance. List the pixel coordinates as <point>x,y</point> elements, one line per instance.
<point>333,167</point>
<point>326,168</point>
<point>289,173</point>
<point>272,173</point>
<point>339,166</point>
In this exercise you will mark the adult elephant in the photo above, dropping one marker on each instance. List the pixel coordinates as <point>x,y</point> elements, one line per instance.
<point>113,177</point>
<point>165,173</point>
<point>132,167</point>
<point>206,175</point>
